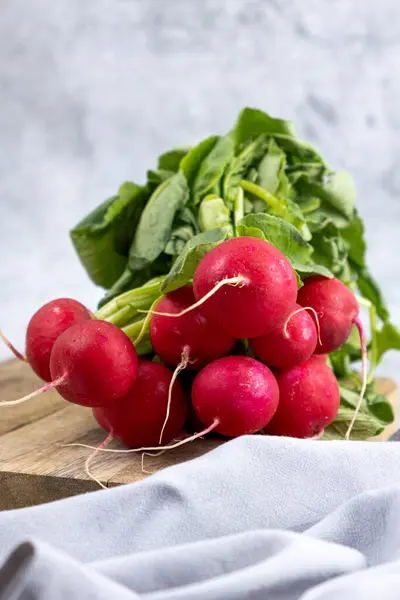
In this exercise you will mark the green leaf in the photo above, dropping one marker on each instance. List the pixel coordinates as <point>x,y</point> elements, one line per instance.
<point>349,352</point>
<point>190,164</point>
<point>306,172</point>
<point>340,363</point>
<point>365,426</point>
<point>379,406</point>
<point>185,265</point>
<point>278,232</point>
<point>281,207</point>
<point>213,213</point>
<point>155,178</point>
<point>102,239</point>
<point>179,236</point>
<point>311,269</point>
<point>298,151</point>
<point>185,227</point>
<point>271,169</point>
<point>321,218</point>
<point>388,338</point>
<point>354,237</point>
<point>370,290</point>
<point>187,216</point>
<point>212,168</point>
<point>171,160</point>
<point>338,195</point>
<point>249,156</point>
<point>244,230</point>
<point>330,250</point>
<point>308,204</point>
<point>252,122</point>
<point>155,225</point>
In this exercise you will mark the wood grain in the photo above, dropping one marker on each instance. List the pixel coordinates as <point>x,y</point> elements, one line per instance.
<point>37,467</point>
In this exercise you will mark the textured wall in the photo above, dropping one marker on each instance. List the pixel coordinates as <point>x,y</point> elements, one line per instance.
<point>91,91</point>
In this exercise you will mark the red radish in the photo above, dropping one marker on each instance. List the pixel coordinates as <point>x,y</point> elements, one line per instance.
<point>185,341</point>
<point>191,334</point>
<point>50,321</point>
<point>46,325</point>
<point>92,363</point>
<point>236,393</point>
<point>285,347</point>
<point>337,311</point>
<point>137,418</point>
<point>309,399</point>
<point>97,361</point>
<point>260,290</point>
<point>336,307</point>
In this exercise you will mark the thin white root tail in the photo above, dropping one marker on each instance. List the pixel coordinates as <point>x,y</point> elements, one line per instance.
<point>45,388</point>
<point>364,375</point>
<point>299,310</point>
<point>187,440</point>
<point>233,281</point>
<point>318,436</point>
<point>182,365</point>
<point>150,454</point>
<point>90,458</point>
<point>13,349</point>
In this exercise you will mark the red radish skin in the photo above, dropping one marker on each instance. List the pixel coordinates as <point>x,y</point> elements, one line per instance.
<point>46,325</point>
<point>309,400</point>
<point>190,334</point>
<point>266,295</point>
<point>335,306</point>
<point>137,418</point>
<point>237,393</point>
<point>322,357</point>
<point>98,362</point>
<point>284,349</point>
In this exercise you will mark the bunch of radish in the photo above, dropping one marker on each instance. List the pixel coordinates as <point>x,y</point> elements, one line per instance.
<point>243,289</point>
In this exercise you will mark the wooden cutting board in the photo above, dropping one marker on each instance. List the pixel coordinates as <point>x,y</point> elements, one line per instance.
<point>35,467</point>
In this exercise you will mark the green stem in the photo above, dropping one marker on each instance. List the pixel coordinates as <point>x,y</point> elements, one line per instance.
<point>373,359</point>
<point>146,323</point>
<point>144,347</point>
<point>265,196</point>
<point>133,329</point>
<point>363,301</point>
<point>373,353</point>
<point>140,297</point>
<point>238,212</point>
<point>122,316</point>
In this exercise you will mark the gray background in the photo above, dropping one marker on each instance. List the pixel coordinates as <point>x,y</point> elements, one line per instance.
<point>92,90</point>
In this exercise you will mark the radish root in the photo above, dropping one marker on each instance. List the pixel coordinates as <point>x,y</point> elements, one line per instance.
<point>233,281</point>
<point>45,388</point>
<point>364,374</point>
<point>13,349</point>
<point>182,365</point>
<point>213,425</point>
<point>90,458</point>
<point>299,310</point>
<point>150,454</point>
